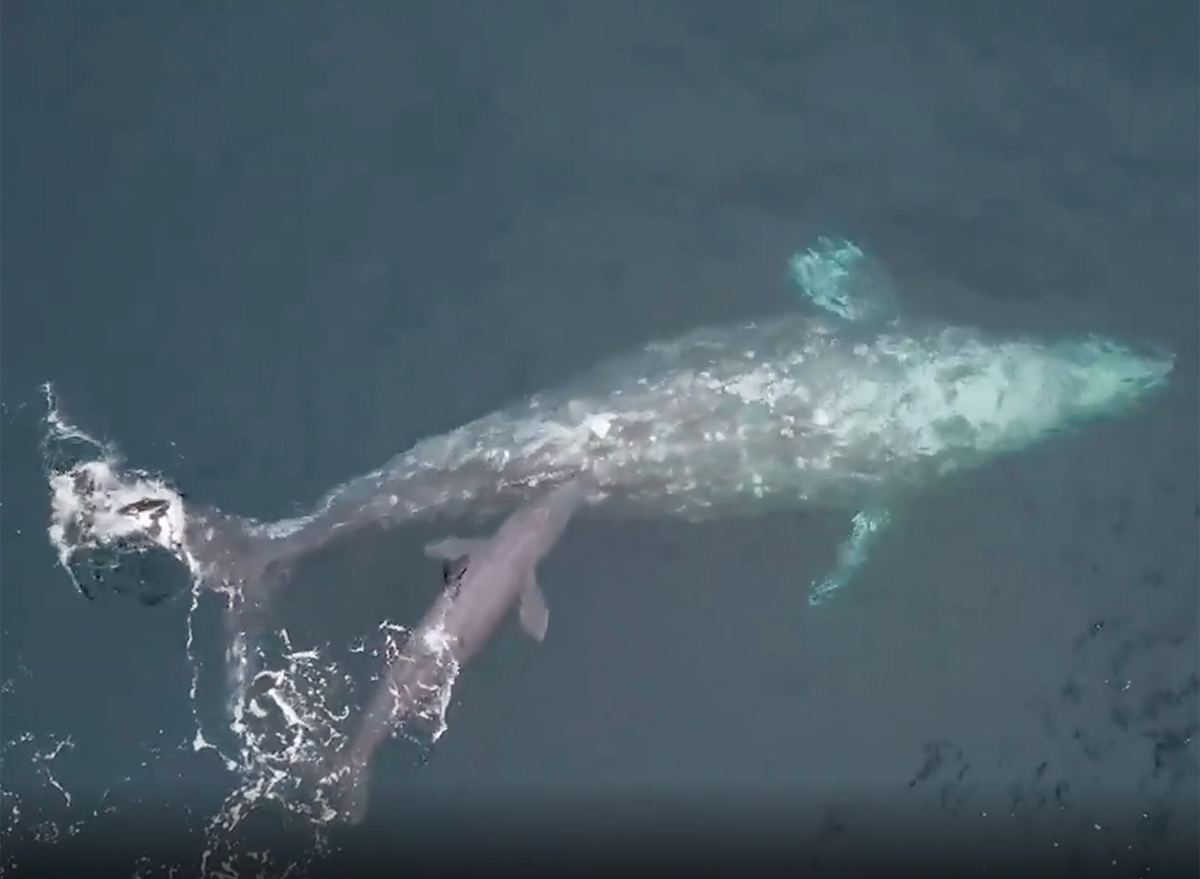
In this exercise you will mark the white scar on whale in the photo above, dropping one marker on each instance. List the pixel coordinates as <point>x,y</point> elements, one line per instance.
<point>843,404</point>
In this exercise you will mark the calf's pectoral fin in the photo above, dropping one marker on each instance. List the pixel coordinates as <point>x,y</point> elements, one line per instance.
<point>852,554</point>
<point>534,614</point>
<point>451,548</point>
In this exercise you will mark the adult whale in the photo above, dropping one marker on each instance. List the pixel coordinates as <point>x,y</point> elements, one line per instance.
<point>846,405</point>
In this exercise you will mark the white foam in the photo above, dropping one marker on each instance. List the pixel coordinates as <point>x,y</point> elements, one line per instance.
<point>284,708</point>
<point>94,504</point>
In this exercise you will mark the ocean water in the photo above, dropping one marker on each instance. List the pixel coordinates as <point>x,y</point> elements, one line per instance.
<point>262,249</point>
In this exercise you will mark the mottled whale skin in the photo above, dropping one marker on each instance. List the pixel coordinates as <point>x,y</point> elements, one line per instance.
<point>490,578</point>
<point>844,403</point>
<point>799,410</point>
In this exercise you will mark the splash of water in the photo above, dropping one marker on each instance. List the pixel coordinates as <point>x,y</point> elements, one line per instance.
<point>273,711</point>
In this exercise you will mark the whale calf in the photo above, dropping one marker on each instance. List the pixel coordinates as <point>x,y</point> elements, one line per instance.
<point>815,407</point>
<point>490,577</point>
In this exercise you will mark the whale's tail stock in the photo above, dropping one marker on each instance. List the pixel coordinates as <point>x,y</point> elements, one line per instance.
<point>236,556</point>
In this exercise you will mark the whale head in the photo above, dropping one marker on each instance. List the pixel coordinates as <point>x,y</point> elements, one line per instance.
<point>1070,382</point>
<point>985,397</point>
<point>1100,377</point>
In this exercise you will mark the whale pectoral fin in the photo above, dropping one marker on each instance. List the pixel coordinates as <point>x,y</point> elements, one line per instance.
<point>534,614</point>
<point>837,277</point>
<point>452,548</point>
<point>852,554</point>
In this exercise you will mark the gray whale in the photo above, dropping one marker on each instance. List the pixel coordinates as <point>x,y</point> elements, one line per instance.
<point>837,406</point>
<point>795,411</point>
<point>492,575</point>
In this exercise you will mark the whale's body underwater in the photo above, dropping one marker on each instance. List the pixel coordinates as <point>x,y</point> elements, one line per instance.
<point>812,408</point>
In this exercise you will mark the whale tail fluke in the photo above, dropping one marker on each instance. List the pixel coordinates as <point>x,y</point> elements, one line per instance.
<point>120,529</point>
